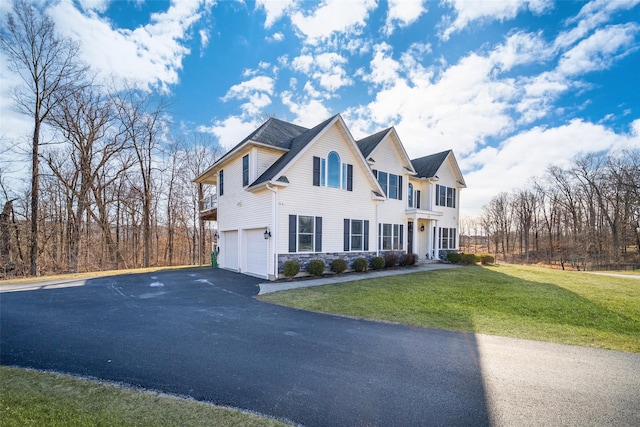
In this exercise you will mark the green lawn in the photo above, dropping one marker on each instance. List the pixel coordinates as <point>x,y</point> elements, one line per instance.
<point>507,300</point>
<point>30,398</point>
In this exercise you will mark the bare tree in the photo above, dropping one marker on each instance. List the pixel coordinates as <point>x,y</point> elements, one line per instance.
<point>84,118</point>
<point>142,121</point>
<point>49,67</point>
<point>525,208</point>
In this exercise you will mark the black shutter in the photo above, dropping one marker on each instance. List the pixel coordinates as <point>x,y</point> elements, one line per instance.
<point>418,199</point>
<point>375,173</point>
<point>347,234</point>
<point>316,171</point>
<point>366,235</point>
<point>349,177</point>
<point>454,198</point>
<point>318,234</point>
<point>400,187</point>
<point>293,222</point>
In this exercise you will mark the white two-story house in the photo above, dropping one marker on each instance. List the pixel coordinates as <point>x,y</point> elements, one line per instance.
<point>288,192</point>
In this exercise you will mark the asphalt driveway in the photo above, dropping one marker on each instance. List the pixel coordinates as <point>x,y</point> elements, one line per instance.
<point>199,332</point>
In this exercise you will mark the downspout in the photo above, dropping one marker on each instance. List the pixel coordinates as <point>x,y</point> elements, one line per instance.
<point>274,229</point>
<point>377,227</point>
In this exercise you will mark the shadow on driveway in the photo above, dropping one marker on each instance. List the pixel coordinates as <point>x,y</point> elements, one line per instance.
<point>199,332</point>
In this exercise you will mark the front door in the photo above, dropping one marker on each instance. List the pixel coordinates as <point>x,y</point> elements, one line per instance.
<point>410,237</point>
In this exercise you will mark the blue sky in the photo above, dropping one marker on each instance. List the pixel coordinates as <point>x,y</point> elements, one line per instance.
<point>512,86</point>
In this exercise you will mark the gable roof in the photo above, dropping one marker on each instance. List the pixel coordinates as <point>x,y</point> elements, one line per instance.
<point>428,166</point>
<point>276,133</point>
<point>366,145</point>
<point>295,146</point>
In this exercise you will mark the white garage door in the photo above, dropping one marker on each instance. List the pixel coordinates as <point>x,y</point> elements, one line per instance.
<point>256,252</point>
<point>230,250</point>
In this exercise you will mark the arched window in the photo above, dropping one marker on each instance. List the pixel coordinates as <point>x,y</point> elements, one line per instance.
<point>333,170</point>
<point>410,195</point>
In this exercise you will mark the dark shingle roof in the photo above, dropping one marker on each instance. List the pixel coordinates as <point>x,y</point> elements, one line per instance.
<point>427,166</point>
<point>366,145</point>
<point>273,132</point>
<point>295,145</point>
<point>277,133</point>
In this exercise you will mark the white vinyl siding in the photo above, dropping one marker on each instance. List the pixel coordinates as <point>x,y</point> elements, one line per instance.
<point>301,197</point>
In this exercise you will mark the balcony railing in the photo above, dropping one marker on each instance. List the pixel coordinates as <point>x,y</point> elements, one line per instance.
<point>209,203</point>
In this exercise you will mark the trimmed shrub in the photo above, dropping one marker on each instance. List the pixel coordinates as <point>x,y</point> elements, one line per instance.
<point>291,268</point>
<point>338,265</point>
<point>454,257</point>
<point>407,259</point>
<point>469,259</point>
<point>360,265</point>
<point>486,259</point>
<point>377,263</point>
<point>316,267</point>
<point>390,260</point>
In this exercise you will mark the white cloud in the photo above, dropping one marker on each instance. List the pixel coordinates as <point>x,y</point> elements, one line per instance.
<point>274,9</point>
<point>326,69</point>
<point>333,16</point>
<point>600,50</point>
<point>246,89</point>
<point>275,37</point>
<point>521,48</point>
<point>384,69</point>
<point>204,40</point>
<point>468,11</point>
<point>403,13</point>
<point>149,56</point>
<point>529,153</point>
<point>308,112</point>
<point>457,107</point>
<point>592,14</point>
<point>256,91</point>
<point>231,130</point>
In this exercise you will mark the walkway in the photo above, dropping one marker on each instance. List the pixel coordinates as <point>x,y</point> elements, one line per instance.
<point>270,287</point>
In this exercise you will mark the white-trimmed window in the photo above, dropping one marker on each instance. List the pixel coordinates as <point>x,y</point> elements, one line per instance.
<point>245,170</point>
<point>305,233</point>
<point>391,237</point>
<point>331,172</point>
<point>445,196</point>
<point>447,238</point>
<point>356,235</point>
<point>391,184</point>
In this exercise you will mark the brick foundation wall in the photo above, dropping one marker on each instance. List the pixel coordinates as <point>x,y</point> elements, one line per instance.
<point>303,259</point>
<point>349,257</point>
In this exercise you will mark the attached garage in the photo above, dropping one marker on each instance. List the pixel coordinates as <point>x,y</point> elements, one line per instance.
<point>256,252</point>
<point>229,250</point>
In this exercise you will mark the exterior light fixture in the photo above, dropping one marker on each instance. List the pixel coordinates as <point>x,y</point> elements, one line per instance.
<point>422,227</point>
<point>267,233</point>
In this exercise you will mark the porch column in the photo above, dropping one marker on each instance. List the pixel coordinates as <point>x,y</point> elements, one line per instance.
<point>436,241</point>
<point>415,238</point>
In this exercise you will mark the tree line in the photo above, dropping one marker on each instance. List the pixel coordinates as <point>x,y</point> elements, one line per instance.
<point>110,182</point>
<point>584,216</point>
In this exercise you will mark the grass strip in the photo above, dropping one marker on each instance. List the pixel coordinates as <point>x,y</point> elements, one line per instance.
<point>507,300</point>
<point>32,398</point>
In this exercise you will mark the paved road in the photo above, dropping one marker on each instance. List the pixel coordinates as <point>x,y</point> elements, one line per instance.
<point>200,333</point>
